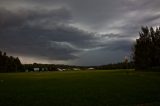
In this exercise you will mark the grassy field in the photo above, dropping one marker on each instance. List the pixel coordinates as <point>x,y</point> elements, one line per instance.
<point>81,88</point>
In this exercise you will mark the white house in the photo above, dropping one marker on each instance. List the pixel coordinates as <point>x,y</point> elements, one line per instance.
<point>90,68</point>
<point>36,69</point>
<point>59,69</point>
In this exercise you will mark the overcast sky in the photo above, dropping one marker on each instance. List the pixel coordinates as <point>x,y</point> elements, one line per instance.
<point>78,32</point>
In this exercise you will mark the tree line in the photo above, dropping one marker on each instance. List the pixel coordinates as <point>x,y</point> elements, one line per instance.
<point>120,65</point>
<point>55,67</point>
<point>9,63</point>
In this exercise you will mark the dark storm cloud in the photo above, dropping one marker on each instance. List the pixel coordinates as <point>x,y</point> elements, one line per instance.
<point>90,31</point>
<point>43,34</point>
<point>33,17</point>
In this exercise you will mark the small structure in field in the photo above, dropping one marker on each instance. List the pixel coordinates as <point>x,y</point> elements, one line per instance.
<point>36,69</point>
<point>90,68</point>
<point>59,69</point>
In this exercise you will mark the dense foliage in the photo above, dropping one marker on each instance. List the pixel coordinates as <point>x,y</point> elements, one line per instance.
<point>9,63</point>
<point>147,49</point>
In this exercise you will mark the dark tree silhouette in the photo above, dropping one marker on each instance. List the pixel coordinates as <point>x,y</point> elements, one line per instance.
<point>9,64</point>
<point>147,49</point>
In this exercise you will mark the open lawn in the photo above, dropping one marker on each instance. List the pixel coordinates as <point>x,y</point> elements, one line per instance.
<point>80,88</point>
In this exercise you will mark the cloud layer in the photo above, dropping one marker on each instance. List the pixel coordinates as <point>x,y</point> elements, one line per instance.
<point>90,32</point>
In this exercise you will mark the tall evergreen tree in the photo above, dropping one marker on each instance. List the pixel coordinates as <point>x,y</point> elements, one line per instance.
<point>147,49</point>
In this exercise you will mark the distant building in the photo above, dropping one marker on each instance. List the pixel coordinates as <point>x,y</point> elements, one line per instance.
<point>36,69</point>
<point>59,69</point>
<point>90,68</point>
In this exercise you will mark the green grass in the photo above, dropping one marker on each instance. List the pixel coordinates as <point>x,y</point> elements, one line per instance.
<point>80,88</point>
